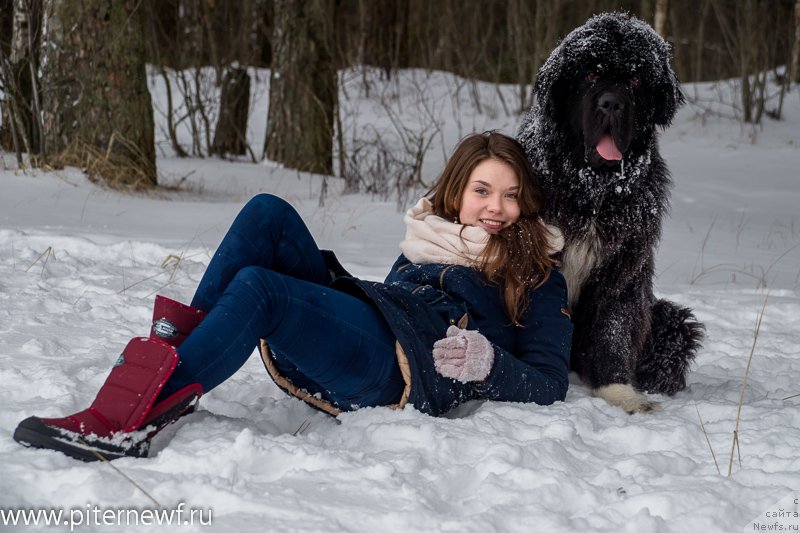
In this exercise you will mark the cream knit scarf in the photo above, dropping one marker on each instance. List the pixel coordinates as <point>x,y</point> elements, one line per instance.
<point>432,239</point>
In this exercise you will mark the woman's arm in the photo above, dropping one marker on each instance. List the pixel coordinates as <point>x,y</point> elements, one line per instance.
<point>538,369</point>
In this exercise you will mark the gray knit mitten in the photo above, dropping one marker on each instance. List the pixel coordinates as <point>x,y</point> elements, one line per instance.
<point>464,355</point>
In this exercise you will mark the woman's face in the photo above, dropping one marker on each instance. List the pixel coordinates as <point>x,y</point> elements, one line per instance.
<point>490,197</point>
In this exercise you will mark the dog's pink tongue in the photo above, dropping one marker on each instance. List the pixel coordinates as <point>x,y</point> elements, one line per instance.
<point>608,149</point>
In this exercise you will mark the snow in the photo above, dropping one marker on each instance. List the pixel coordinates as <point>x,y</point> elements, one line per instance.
<point>80,264</point>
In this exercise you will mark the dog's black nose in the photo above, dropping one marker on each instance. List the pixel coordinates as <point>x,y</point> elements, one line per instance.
<point>610,104</point>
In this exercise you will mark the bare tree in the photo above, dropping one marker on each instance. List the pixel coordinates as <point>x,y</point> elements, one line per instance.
<point>744,36</point>
<point>700,41</point>
<point>161,23</point>
<point>646,11</point>
<point>18,72</point>
<point>230,137</point>
<point>303,86</point>
<point>661,17</point>
<point>796,47</point>
<point>521,26</point>
<point>6,30</point>
<point>96,105</point>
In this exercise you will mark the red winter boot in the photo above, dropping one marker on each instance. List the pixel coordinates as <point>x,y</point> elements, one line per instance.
<point>174,321</point>
<point>122,420</point>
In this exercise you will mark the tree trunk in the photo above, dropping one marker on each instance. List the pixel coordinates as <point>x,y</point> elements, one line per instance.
<point>661,17</point>
<point>6,25</point>
<point>303,86</point>
<point>22,97</point>
<point>96,104</point>
<point>231,133</point>
<point>745,14</point>
<point>700,42</point>
<point>6,28</point>
<point>521,26</point>
<point>647,11</point>
<point>796,48</point>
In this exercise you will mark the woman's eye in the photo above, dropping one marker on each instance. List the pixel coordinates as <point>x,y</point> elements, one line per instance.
<point>511,196</point>
<point>481,190</point>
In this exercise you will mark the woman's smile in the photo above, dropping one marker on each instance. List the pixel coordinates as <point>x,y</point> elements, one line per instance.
<point>490,197</point>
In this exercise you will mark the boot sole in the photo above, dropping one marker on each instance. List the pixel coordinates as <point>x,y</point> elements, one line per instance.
<point>33,433</point>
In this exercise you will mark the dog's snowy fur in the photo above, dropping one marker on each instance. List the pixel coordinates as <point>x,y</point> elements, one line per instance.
<point>601,94</point>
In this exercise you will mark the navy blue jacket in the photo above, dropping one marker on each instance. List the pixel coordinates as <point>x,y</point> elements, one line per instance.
<point>420,302</point>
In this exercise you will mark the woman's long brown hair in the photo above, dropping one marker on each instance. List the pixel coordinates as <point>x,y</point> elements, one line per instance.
<point>517,258</point>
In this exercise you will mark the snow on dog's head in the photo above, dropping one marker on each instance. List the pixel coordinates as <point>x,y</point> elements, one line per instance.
<point>615,46</point>
<point>603,91</point>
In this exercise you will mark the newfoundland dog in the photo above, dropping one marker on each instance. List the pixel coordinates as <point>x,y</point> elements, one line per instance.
<point>592,139</point>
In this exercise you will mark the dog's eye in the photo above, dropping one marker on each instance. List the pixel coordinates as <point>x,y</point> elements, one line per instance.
<point>592,76</point>
<point>634,81</point>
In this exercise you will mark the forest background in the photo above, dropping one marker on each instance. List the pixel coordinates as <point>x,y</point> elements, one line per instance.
<point>73,74</point>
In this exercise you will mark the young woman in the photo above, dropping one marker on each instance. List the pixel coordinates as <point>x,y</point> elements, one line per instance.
<point>473,308</point>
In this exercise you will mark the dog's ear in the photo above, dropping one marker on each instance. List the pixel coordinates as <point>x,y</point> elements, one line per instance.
<point>667,88</point>
<point>546,79</point>
<point>553,75</point>
<point>670,97</point>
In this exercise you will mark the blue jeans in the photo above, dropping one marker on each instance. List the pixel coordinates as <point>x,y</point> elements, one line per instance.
<point>268,280</point>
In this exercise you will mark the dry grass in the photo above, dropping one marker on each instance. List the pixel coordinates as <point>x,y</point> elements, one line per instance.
<point>758,273</point>
<point>735,443</point>
<point>169,265</point>
<point>735,450</point>
<point>46,254</point>
<point>104,459</point>
<point>703,427</point>
<point>121,165</point>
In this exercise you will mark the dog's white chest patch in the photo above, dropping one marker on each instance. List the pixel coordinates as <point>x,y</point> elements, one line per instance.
<point>578,260</point>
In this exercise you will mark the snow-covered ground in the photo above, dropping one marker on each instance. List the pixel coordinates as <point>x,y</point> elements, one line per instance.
<point>79,266</point>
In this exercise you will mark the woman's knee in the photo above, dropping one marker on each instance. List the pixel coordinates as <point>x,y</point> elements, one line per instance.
<point>267,215</point>
<point>256,289</point>
<point>255,278</point>
<point>266,204</point>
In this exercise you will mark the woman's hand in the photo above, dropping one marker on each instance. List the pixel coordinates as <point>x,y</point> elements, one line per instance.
<point>464,355</point>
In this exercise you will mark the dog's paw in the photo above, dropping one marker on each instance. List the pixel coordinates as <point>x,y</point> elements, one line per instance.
<point>627,398</point>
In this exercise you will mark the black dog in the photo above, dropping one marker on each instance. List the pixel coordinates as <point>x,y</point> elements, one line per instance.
<point>591,137</point>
